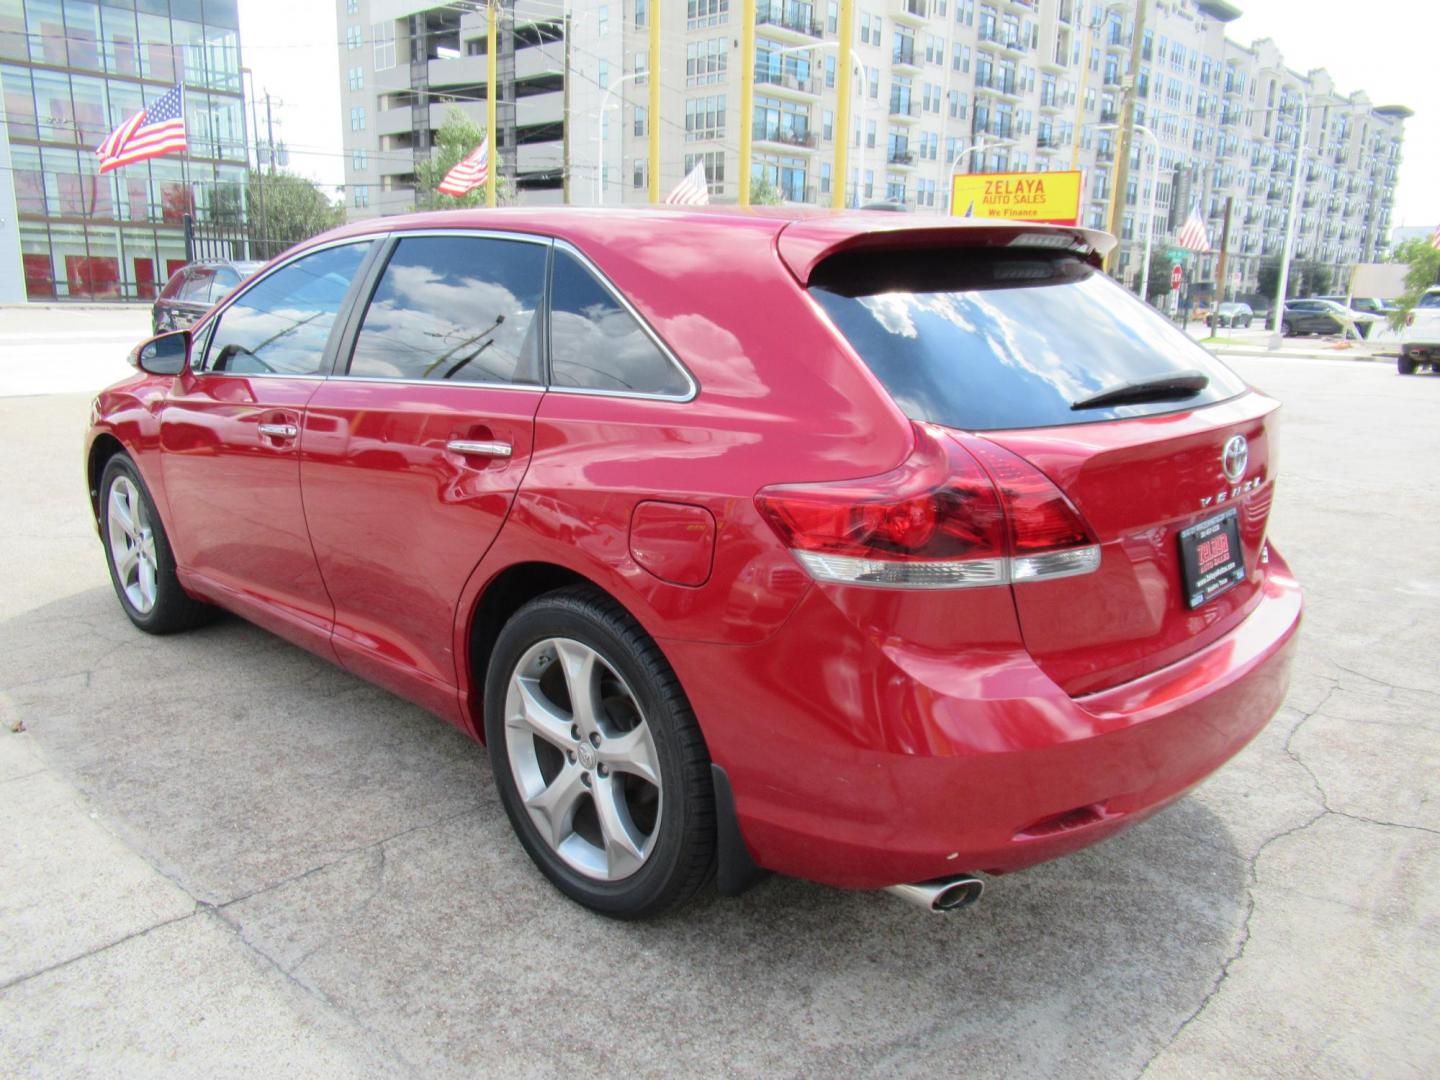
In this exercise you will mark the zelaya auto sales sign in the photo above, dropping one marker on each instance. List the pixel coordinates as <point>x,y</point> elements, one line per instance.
<point>1051,197</point>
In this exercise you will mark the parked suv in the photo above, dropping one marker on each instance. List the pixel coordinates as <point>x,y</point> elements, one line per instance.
<point>194,289</point>
<point>873,549</point>
<point>1371,305</point>
<point>1420,339</point>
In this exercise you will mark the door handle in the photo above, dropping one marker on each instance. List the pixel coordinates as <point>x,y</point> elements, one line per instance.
<point>472,448</point>
<point>279,431</point>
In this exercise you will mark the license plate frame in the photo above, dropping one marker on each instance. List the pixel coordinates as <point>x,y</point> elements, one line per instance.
<point>1211,559</point>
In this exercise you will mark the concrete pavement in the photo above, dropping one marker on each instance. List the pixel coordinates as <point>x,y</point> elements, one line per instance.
<point>222,855</point>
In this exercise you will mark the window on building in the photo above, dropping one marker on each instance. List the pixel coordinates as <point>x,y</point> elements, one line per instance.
<point>705,61</point>
<point>704,13</point>
<point>383,36</point>
<point>355,77</point>
<point>281,323</point>
<point>352,7</point>
<point>640,12</point>
<point>354,37</point>
<point>638,176</point>
<point>360,194</point>
<point>638,127</point>
<point>357,118</point>
<point>359,159</point>
<point>714,163</point>
<point>596,344</point>
<point>705,118</point>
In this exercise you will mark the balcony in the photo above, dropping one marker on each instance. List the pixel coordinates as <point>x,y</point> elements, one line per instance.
<point>907,108</point>
<point>904,54</point>
<point>796,18</point>
<point>1109,116</point>
<point>788,80</point>
<point>998,82</point>
<point>910,11</point>
<point>1051,102</point>
<point>803,138</point>
<point>900,157</point>
<point>1049,142</point>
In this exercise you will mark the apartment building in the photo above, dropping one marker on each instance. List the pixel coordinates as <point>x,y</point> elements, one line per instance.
<point>404,65</point>
<point>939,86</point>
<point>71,72</point>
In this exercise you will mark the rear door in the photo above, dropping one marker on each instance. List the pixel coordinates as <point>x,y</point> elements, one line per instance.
<point>230,436</point>
<point>1023,349</point>
<point>414,449</point>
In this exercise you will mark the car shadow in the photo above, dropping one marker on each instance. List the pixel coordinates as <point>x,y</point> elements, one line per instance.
<point>358,843</point>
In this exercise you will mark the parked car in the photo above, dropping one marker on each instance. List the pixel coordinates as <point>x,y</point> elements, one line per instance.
<point>1371,305</point>
<point>845,547</point>
<point>1420,338</point>
<point>194,289</point>
<point>1234,314</point>
<point>1316,316</point>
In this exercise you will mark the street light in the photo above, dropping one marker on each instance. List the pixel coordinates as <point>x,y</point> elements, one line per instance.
<point>600,133</point>
<point>1150,214</point>
<point>964,154</point>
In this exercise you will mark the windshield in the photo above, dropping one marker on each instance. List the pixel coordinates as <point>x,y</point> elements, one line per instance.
<point>984,340</point>
<point>1430,299</point>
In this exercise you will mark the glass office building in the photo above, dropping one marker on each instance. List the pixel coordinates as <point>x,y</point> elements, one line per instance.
<point>70,71</point>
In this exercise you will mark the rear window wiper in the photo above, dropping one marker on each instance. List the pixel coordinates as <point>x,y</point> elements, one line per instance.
<point>1174,387</point>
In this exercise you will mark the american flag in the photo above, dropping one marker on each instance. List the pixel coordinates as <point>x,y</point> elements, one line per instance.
<point>1192,235</point>
<point>469,172</point>
<point>151,132</point>
<point>692,190</point>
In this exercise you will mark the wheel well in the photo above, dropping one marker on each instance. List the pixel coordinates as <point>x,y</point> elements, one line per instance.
<point>511,590</point>
<point>101,451</point>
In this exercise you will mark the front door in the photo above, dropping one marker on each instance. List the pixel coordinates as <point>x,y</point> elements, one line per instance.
<point>230,439</point>
<point>412,453</point>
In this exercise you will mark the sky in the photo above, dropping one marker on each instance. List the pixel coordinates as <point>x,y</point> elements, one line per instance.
<point>1384,47</point>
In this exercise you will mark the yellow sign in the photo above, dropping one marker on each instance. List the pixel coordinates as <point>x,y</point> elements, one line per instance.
<point>1052,197</point>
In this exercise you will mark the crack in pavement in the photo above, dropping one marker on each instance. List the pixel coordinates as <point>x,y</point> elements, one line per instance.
<point>18,979</point>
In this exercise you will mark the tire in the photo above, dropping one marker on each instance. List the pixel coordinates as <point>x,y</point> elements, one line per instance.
<point>137,551</point>
<point>1286,330</point>
<point>577,783</point>
<point>1405,365</point>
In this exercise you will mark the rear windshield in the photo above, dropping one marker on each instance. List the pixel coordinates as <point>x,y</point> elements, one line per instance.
<point>985,340</point>
<point>1430,299</point>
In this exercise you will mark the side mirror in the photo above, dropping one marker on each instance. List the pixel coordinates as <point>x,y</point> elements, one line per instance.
<point>164,355</point>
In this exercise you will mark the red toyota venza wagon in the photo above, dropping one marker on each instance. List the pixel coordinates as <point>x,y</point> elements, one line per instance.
<point>872,549</point>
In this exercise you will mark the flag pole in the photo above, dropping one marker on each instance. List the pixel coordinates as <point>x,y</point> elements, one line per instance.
<point>490,104</point>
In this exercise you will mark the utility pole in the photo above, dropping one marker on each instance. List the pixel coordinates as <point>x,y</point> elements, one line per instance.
<point>747,95</point>
<point>1220,268</point>
<point>1282,286</point>
<point>1122,135</point>
<point>270,132</point>
<point>842,110</point>
<point>654,118</point>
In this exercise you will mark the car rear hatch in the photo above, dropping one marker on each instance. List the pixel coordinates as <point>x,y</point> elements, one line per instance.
<point>1014,344</point>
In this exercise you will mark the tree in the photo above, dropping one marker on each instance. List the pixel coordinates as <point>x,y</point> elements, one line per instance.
<point>457,137</point>
<point>284,209</point>
<point>764,193</point>
<point>1311,278</point>
<point>1424,263</point>
<point>1267,277</point>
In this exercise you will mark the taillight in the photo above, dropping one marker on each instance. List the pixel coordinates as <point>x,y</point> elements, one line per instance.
<point>938,521</point>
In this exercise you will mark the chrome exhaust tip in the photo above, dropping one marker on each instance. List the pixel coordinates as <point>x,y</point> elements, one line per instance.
<point>943,895</point>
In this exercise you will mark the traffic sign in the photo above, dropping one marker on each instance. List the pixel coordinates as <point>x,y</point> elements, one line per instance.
<point>1175,275</point>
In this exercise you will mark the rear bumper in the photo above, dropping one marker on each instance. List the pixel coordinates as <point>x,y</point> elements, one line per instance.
<point>861,762</point>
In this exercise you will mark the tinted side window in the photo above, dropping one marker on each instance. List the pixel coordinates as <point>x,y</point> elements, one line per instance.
<point>595,344</point>
<point>281,323</point>
<point>457,308</point>
<point>1430,299</point>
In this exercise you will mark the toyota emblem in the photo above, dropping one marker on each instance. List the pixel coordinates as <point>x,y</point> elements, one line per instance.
<point>1236,458</point>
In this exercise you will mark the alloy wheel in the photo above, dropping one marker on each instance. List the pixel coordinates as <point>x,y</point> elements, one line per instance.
<point>132,544</point>
<point>583,759</point>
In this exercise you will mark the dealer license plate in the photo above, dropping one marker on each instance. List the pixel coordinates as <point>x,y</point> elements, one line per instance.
<point>1211,560</point>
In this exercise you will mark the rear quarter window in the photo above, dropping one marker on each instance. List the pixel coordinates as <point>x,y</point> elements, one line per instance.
<point>986,340</point>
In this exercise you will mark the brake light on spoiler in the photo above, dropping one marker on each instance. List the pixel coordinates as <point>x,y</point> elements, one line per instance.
<point>959,512</point>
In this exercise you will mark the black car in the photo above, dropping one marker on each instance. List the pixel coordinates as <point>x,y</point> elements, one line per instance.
<point>194,289</point>
<point>1315,316</point>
